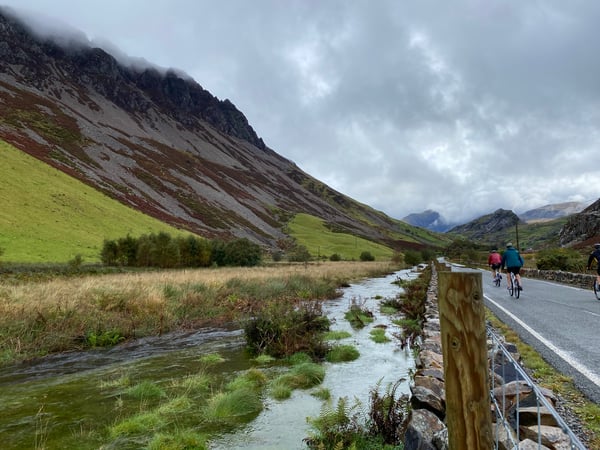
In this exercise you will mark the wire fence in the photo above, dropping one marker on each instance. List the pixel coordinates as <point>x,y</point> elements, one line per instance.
<point>513,393</point>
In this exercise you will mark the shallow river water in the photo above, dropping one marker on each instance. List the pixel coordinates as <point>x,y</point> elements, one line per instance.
<point>62,401</point>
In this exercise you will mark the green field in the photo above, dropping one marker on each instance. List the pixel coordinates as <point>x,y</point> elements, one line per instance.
<point>311,232</point>
<point>47,216</point>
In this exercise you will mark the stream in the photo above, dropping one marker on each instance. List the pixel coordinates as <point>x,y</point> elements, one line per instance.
<point>69,400</point>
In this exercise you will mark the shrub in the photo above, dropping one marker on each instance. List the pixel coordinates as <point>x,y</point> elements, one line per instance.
<point>299,254</point>
<point>282,329</point>
<point>366,256</point>
<point>335,257</point>
<point>412,257</point>
<point>560,259</point>
<point>241,252</point>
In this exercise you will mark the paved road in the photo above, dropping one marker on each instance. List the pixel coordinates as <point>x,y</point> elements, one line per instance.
<point>561,322</point>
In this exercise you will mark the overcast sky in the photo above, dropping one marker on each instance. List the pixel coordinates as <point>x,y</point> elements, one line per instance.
<point>461,106</point>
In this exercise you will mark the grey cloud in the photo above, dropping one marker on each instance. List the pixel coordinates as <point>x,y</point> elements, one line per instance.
<point>462,107</point>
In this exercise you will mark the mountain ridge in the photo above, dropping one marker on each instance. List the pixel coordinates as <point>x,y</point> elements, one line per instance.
<point>162,144</point>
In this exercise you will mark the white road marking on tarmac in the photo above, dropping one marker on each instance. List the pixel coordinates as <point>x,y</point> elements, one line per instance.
<point>585,371</point>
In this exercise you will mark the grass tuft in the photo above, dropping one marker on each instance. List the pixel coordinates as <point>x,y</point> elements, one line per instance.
<point>179,440</point>
<point>336,335</point>
<point>212,359</point>
<point>378,335</point>
<point>342,353</point>
<point>145,390</point>
<point>233,407</point>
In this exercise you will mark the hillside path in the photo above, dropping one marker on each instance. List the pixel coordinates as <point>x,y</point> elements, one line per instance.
<point>560,322</point>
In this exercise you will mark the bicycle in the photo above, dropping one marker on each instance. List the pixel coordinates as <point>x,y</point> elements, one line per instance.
<point>596,288</point>
<point>515,287</point>
<point>498,277</point>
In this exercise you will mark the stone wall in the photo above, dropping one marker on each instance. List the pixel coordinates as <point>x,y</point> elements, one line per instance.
<point>582,280</point>
<point>427,430</point>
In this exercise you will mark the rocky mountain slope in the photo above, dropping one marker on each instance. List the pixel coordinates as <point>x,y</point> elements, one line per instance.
<point>554,211</point>
<point>582,229</point>
<point>484,226</point>
<point>157,141</point>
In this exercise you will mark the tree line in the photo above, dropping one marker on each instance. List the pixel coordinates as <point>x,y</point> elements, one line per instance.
<point>164,251</point>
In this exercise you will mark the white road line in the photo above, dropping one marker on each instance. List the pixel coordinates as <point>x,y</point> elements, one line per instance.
<point>585,371</point>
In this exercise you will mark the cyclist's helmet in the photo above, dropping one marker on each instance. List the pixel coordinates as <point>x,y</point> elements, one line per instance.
<point>596,245</point>
<point>509,244</point>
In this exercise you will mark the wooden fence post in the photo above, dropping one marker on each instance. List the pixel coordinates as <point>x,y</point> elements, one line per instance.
<point>462,324</point>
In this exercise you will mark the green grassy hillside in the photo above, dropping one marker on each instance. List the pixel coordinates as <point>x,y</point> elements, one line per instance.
<point>535,235</point>
<point>311,232</point>
<point>47,216</point>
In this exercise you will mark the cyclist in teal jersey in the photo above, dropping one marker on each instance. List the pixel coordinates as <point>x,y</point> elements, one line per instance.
<point>512,260</point>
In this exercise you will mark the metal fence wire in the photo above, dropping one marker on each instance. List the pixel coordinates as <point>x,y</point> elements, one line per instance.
<point>515,396</point>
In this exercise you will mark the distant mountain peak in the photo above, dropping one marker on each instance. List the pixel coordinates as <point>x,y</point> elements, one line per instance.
<point>485,225</point>
<point>429,219</point>
<point>552,211</point>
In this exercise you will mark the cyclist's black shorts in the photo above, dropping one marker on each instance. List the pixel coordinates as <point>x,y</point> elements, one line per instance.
<point>598,269</point>
<point>514,270</point>
<point>495,266</point>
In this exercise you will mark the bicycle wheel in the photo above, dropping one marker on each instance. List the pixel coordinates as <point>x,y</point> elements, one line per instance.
<point>517,289</point>
<point>596,289</point>
<point>497,279</point>
<point>511,289</point>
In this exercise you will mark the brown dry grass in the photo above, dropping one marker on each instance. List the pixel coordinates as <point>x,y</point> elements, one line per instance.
<point>71,313</point>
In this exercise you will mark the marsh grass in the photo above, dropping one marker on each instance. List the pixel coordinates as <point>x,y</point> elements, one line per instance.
<point>42,421</point>
<point>212,359</point>
<point>279,389</point>
<point>387,310</point>
<point>58,315</point>
<point>198,383</point>
<point>378,335</point>
<point>250,379</point>
<point>298,358</point>
<point>122,381</point>
<point>151,415</point>
<point>358,315</point>
<point>178,440</point>
<point>175,406</point>
<point>233,407</point>
<point>336,335</point>
<point>303,375</point>
<point>144,423</point>
<point>321,394</point>
<point>264,359</point>
<point>146,390</point>
<point>342,353</point>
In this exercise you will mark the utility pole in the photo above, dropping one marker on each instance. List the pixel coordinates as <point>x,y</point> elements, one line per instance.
<point>517,230</point>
